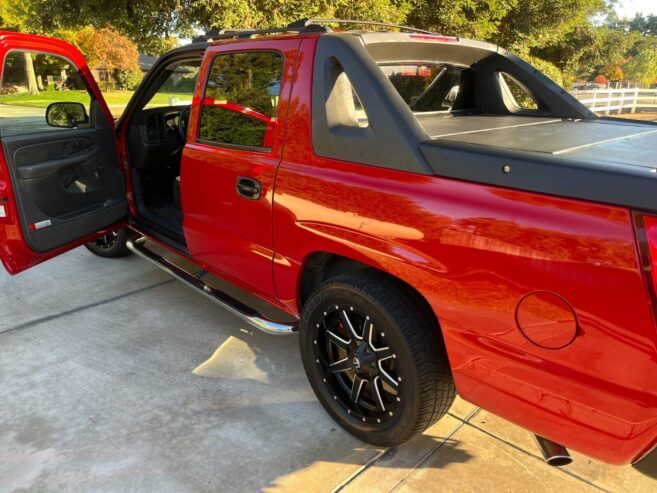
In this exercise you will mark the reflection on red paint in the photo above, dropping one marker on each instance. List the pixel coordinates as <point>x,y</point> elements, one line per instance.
<point>473,251</point>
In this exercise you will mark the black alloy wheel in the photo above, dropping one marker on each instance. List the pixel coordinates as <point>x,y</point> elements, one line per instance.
<point>375,358</point>
<point>358,364</point>
<point>111,245</point>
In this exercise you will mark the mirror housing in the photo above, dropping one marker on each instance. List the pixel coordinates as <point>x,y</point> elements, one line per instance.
<point>66,115</point>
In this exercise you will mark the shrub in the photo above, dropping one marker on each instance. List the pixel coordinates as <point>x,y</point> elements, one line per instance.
<point>128,79</point>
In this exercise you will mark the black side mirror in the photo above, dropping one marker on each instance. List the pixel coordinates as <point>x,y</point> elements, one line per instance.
<point>66,115</point>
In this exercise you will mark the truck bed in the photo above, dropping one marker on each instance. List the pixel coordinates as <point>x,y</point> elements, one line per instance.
<point>605,160</point>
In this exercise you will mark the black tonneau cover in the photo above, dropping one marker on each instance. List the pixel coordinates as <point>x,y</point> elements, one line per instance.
<point>604,160</point>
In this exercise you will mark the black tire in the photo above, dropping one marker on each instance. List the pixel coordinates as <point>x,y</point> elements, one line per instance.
<point>408,347</point>
<point>112,245</point>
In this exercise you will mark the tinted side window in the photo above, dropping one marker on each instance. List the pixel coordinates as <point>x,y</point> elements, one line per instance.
<point>241,99</point>
<point>30,82</point>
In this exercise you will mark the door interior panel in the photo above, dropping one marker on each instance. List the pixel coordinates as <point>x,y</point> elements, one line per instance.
<point>68,177</point>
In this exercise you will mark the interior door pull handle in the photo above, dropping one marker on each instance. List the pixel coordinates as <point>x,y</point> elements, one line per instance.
<point>249,188</point>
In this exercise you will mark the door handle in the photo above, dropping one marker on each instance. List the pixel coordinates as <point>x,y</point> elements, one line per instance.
<point>249,188</point>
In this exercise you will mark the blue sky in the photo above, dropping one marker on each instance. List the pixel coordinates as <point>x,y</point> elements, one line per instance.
<point>628,8</point>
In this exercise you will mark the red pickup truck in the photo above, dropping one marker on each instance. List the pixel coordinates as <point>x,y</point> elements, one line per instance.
<point>432,214</point>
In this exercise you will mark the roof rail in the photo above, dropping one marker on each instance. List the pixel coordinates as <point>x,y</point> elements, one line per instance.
<point>217,34</point>
<point>307,25</point>
<point>308,22</point>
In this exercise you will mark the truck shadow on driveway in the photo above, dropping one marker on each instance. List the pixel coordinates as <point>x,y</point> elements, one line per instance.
<point>263,378</point>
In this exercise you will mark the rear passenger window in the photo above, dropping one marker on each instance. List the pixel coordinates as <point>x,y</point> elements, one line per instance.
<point>31,81</point>
<point>240,104</point>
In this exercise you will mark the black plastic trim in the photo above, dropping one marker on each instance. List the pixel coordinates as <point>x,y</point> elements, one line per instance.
<point>392,137</point>
<point>617,184</point>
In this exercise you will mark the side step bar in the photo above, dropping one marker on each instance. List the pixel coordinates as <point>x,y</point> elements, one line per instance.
<point>236,307</point>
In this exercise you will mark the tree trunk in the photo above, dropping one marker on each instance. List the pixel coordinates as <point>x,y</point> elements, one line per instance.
<point>32,86</point>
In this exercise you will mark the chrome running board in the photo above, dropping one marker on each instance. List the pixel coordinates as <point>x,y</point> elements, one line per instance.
<point>236,307</point>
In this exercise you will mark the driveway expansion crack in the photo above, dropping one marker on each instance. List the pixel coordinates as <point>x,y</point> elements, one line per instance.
<point>48,318</point>
<point>362,469</point>
<point>428,455</point>
<point>520,449</point>
<point>385,451</point>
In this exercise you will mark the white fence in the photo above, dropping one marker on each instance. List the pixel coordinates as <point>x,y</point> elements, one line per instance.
<point>618,100</point>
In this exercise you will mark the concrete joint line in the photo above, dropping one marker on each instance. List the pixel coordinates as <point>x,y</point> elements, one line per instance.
<point>431,452</point>
<point>520,449</point>
<point>48,318</point>
<point>373,461</point>
<point>362,469</point>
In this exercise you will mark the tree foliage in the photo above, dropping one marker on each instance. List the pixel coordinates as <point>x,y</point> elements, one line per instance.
<point>11,17</point>
<point>642,65</point>
<point>569,39</point>
<point>613,72</point>
<point>143,21</point>
<point>106,48</point>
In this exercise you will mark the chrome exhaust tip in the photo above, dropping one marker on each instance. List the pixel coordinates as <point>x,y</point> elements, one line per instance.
<point>554,454</point>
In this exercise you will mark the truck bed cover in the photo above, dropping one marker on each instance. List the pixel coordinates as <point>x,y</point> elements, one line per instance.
<point>604,160</point>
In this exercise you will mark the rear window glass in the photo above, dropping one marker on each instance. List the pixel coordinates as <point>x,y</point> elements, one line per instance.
<point>427,87</point>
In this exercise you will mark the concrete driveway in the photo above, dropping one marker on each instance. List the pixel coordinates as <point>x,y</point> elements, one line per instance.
<point>115,378</point>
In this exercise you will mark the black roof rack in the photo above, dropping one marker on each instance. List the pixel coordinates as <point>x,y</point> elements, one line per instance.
<point>312,21</point>
<point>308,25</point>
<point>217,34</point>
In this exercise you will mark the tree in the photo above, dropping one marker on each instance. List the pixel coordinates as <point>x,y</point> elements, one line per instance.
<point>645,25</point>
<point>129,79</point>
<point>12,18</point>
<point>642,66</point>
<point>565,38</point>
<point>613,72</point>
<point>148,21</point>
<point>107,49</point>
<point>554,35</point>
<point>32,86</point>
<point>158,46</point>
<point>268,13</point>
<point>466,18</point>
<point>142,21</point>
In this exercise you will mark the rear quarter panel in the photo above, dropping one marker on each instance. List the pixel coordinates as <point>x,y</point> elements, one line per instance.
<point>473,252</point>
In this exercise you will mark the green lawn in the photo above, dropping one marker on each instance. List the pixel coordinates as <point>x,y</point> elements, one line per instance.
<point>116,100</point>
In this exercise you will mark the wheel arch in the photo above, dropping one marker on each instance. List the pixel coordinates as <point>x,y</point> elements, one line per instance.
<point>320,266</point>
